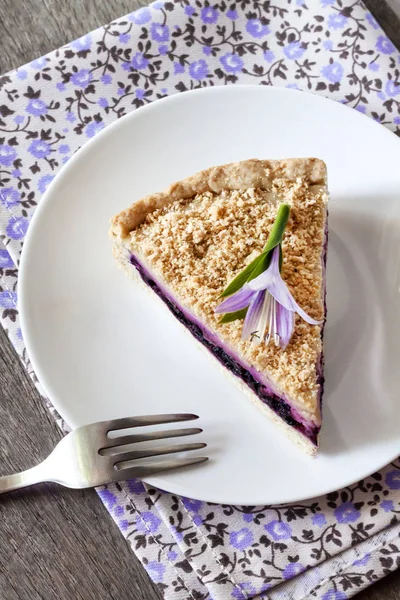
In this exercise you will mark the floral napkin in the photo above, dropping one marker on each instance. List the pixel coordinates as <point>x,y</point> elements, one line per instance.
<point>327,548</point>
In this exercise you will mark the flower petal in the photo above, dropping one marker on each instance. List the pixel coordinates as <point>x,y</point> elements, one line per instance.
<point>284,324</point>
<point>279,290</point>
<point>272,281</point>
<point>264,280</point>
<point>252,318</point>
<point>240,300</point>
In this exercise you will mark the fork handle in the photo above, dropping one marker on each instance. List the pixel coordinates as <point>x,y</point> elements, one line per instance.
<point>8,483</point>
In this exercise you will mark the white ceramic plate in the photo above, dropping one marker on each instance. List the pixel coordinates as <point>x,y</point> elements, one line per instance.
<point>102,349</point>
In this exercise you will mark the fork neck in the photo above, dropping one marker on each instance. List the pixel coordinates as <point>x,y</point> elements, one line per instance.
<point>8,483</point>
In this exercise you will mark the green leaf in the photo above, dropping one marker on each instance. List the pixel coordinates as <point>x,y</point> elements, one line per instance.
<point>233,316</point>
<point>278,228</point>
<point>261,262</point>
<point>243,276</point>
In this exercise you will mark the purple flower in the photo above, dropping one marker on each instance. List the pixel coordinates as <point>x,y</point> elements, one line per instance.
<point>94,127</point>
<point>232,15</point>
<point>231,63</point>
<point>61,87</point>
<point>36,107</point>
<point>337,21</point>
<point>292,569</point>
<point>139,61</point>
<point>197,520</point>
<point>82,43</point>
<point>328,44</point>
<point>269,56</point>
<point>248,517</point>
<point>82,78</point>
<point>17,227</point>
<point>278,530</point>
<point>9,196</point>
<point>319,520</point>
<point>44,182</point>
<point>164,90</point>
<point>207,50</point>
<point>326,3</point>
<point>241,539</point>
<point>124,524</point>
<point>256,29</point>
<point>139,94</point>
<point>333,72</point>
<point>7,155</point>
<point>141,16</point>
<point>135,486</point>
<point>247,590</point>
<point>171,555</point>
<point>372,21</point>
<point>16,173</point>
<point>270,306</point>
<point>333,594</point>
<point>159,33</point>
<point>120,91</point>
<point>361,108</point>
<point>8,299</point>
<point>374,66</point>
<point>39,148</point>
<point>106,79</point>
<point>198,69</point>
<point>189,10</point>
<point>18,119</point>
<point>163,50</point>
<point>392,89</point>
<point>346,513</point>
<point>392,480</point>
<point>361,562</point>
<point>178,68</point>
<point>124,38</point>
<point>118,511</point>
<point>6,261</point>
<point>156,571</point>
<point>108,498</point>
<point>209,14</point>
<point>192,505</point>
<point>70,117</point>
<point>64,149</point>
<point>103,102</point>
<point>294,51</point>
<point>22,74</point>
<point>384,45</point>
<point>39,63</point>
<point>148,523</point>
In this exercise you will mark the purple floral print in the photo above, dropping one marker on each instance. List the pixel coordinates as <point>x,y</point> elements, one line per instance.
<point>194,549</point>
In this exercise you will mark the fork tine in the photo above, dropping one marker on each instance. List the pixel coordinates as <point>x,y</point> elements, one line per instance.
<point>128,422</point>
<point>114,446</point>
<point>124,457</point>
<point>148,470</point>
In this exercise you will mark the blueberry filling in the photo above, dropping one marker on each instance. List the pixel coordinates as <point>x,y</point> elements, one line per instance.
<point>275,403</point>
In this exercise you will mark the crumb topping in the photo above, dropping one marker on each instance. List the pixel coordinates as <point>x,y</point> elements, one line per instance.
<point>198,244</point>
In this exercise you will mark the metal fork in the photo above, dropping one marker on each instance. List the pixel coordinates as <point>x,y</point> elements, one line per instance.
<point>88,456</point>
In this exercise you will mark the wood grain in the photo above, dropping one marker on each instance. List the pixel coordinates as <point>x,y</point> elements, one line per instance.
<point>58,544</point>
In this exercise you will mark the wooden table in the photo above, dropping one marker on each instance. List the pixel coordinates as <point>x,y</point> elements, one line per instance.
<point>56,543</point>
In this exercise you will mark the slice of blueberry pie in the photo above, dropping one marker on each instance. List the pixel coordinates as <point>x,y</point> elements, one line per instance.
<point>237,253</point>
